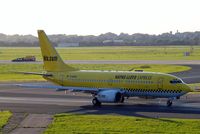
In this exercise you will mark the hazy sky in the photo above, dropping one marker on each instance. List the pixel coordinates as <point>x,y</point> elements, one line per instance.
<point>86,17</point>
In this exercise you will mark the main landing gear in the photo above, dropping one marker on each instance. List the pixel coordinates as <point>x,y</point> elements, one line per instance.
<point>169,103</point>
<point>96,102</point>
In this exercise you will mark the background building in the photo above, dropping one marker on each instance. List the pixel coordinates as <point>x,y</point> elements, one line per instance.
<point>68,44</point>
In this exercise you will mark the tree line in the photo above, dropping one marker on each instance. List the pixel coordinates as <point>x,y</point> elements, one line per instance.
<point>107,39</point>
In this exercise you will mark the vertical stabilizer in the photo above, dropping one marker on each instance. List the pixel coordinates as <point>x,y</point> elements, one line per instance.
<point>52,60</point>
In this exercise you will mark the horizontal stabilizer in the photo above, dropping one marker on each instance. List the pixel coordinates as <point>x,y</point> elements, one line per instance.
<point>35,73</point>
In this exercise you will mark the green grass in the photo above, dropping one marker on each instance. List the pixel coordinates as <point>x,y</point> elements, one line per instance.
<point>106,124</point>
<point>6,70</point>
<point>109,53</point>
<point>4,116</point>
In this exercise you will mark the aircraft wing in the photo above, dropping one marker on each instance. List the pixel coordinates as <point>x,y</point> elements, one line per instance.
<point>69,88</point>
<point>62,88</point>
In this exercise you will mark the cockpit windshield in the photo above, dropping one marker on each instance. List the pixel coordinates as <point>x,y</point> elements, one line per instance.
<point>175,81</point>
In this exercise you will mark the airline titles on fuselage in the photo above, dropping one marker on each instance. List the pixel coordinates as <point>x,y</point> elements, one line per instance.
<point>135,77</point>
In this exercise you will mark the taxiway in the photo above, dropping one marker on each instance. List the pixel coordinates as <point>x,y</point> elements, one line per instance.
<point>48,101</point>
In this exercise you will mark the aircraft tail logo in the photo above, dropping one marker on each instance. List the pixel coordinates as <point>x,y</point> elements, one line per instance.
<point>52,60</point>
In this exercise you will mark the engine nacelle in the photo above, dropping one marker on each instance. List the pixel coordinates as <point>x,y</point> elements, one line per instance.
<point>112,96</point>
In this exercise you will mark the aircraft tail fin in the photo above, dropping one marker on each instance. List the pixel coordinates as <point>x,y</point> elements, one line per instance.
<point>52,60</point>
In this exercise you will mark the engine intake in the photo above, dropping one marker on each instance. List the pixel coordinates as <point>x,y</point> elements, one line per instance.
<point>112,96</point>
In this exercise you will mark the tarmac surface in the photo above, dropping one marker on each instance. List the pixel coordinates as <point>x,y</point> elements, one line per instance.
<point>48,101</point>
<point>28,105</point>
<point>190,76</point>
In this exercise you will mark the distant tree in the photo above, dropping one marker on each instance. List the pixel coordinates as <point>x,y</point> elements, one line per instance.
<point>186,38</point>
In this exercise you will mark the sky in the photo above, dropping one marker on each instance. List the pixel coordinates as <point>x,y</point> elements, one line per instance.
<point>94,17</point>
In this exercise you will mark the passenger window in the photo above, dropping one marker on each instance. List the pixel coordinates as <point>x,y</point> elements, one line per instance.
<point>175,81</point>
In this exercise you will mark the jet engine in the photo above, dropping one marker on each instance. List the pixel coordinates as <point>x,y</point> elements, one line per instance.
<point>110,96</point>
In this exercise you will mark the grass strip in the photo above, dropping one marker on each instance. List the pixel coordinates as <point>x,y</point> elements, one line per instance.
<point>7,70</point>
<point>109,53</point>
<point>112,124</point>
<point>4,116</point>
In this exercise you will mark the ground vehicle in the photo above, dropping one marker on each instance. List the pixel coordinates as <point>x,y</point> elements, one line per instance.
<point>24,59</point>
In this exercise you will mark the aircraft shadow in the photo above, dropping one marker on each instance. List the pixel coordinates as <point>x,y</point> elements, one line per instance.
<point>140,110</point>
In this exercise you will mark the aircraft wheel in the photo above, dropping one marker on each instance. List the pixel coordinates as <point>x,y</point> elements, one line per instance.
<point>122,100</point>
<point>96,102</point>
<point>169,103</point>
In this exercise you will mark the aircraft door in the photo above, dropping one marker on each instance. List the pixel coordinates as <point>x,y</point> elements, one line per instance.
<point>160,83</point>
<point>110,82</point>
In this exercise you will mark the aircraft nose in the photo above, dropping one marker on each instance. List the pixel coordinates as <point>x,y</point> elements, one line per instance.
<point>188,88</point>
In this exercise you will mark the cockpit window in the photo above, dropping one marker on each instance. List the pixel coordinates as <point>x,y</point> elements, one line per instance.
<point>175,81</point>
